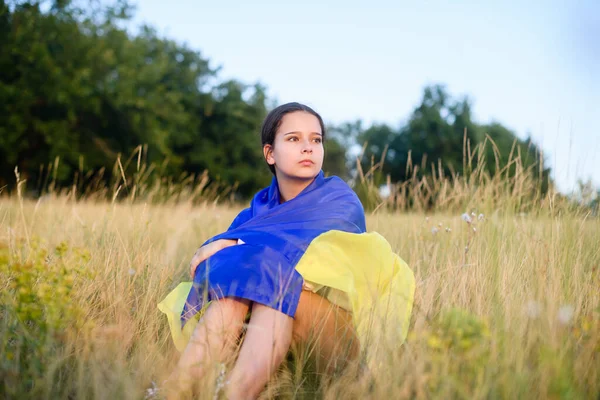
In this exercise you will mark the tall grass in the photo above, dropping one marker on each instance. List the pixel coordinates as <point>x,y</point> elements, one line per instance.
<point>507,302</point>
<point>130,180</point>
<point>515,185</point>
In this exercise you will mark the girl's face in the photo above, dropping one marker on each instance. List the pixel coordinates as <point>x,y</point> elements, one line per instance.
<point>297,151</point>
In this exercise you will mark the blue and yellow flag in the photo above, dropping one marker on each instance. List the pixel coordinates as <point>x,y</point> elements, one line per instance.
<point>318,237</point>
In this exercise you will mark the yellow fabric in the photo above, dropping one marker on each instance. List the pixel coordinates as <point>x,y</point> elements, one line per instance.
<point>378,284</point>
<point>172,306</point>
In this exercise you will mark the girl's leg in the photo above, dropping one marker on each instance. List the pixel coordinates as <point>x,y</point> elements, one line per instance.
<point>214,339</point>
<point>326,328</point>
<point>266,343</point>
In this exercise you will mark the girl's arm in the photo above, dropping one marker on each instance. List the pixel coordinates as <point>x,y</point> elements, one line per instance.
<point>207,251</point>
<point>210,249</point>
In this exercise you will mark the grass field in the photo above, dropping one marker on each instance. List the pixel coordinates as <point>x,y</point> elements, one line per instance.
<point>506,305</point>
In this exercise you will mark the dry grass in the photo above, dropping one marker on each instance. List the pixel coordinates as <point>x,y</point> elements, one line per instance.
<point>510,309</point>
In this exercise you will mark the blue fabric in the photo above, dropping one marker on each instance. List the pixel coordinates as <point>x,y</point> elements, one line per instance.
<point>276,236</point>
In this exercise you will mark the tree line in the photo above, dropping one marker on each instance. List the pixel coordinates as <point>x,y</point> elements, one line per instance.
<point>76,84</point>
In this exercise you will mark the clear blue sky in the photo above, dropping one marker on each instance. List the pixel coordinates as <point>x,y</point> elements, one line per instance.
<point>533,66</point>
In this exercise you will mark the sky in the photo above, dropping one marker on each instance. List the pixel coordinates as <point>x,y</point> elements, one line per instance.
<point>532,66</point>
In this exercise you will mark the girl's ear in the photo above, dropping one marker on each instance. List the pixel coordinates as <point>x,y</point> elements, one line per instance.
<point>268,153</point>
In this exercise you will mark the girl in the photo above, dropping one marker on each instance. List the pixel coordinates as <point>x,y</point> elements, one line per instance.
<point>261,265</point>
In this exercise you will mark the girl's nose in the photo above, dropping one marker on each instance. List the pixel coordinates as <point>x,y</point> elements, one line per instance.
<point>307,147</point>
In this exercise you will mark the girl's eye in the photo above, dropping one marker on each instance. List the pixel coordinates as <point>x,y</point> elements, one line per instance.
<point>293,139</point>
<point>318,140</point>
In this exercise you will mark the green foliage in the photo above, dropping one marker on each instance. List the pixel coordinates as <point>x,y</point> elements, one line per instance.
<point>39,310</point>
<point>335,162</point>
<point>458,344</point>
<point>459,331</point>
<point>228,142</point>
<point>76,86</point>
<point>440,138</point>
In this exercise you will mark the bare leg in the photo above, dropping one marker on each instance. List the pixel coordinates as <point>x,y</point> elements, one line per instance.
<point>213,340</point>
<point>328,328</point>
<point>265,345</point>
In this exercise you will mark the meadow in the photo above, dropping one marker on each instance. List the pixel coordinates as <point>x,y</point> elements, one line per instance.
<point>507,302</point>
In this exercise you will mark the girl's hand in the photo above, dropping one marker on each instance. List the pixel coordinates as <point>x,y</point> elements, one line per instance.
<point>207,251</point>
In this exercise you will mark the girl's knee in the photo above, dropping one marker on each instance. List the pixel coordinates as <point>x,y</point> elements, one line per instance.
<point>223,316</point>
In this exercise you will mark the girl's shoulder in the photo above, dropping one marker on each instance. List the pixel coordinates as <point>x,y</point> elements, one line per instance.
<point>335,182</point>
<point>337,187</point>
<point>242,217</point>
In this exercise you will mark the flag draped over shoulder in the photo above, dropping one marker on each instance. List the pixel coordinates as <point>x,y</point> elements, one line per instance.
<point>318,236</point>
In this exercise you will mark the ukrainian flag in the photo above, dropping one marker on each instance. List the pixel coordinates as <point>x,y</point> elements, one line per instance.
<point>319,238</point>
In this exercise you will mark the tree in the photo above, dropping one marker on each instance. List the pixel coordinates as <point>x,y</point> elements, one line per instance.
<point>227,142</point>
<point>508,148</point>
<point>76,85</point>
<point>435,131</point>
<point>441,132</point>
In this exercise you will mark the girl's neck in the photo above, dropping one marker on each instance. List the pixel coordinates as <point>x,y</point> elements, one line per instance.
<point>290,188</point>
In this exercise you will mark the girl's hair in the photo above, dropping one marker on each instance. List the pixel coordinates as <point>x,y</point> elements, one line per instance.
<point>272,122</point>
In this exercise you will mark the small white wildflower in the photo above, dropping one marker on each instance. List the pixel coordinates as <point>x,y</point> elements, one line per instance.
<point>152,392</point>
<point>434,230</point>
<point>473,214</point>
<point>466,248</point>
<point>565,314</point>
<point>426,219</point>
<point>480,217</point>
<point>465,217</point>
<point>131,272</point>
<point>440,224</point>
<point>474,229</point>
<point>448,230</point>
<point>532,309</point>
